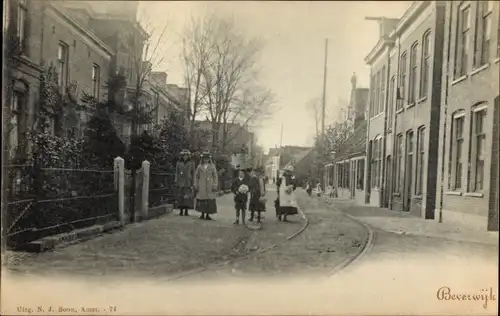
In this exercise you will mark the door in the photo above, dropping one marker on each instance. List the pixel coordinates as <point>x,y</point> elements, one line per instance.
<point>408,172</point>
<point>388,181</point>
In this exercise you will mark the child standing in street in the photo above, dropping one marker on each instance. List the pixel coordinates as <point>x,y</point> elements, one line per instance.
<point>240,191</point>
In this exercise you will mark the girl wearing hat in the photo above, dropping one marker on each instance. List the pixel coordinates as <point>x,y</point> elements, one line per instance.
<point>206,182</point>
<point>286,194</point>
<point>184,175</point>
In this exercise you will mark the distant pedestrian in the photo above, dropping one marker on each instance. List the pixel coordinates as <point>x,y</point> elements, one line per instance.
<point>257,194</point>
<point>240,190</point>
<point>206,182</point>
<point>184,178</point>
<point>308,188</point>
<point>286,194</point>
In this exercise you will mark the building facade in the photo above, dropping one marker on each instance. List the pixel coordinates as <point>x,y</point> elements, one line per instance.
<point>86,44</point>
<point>468,157</point>
<point>378,117</point>
<point>404,111</point>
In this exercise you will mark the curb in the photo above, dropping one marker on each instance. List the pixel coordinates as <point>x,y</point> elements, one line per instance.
<point>87,233</point>
<point>224,263</point>
<point>77,235</point>
<point>368,244</point>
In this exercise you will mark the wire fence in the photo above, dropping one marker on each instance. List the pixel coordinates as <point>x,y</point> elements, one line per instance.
<point>47,201</point>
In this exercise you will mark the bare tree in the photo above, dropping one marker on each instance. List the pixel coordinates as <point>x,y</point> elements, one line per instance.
<point>197,49</point>
<point>220,63</point>
<point>314,105</point>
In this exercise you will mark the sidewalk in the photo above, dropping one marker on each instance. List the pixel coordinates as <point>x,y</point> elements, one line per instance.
<point>406,224</point>
<point>165,246</point>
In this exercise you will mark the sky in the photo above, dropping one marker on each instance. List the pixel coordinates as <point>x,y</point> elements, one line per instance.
<point>292,60</point>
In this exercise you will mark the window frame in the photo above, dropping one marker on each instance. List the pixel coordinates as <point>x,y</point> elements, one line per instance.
<point>419,188</point>
<point>402,80</point>
<point>425,68</point>
<point>96,81</point>
<point>412,78</point>
<point>62,61</point>
<point>399,162</point>
<point>474,152</point>
<point>409,155</point>
<point>462,40</point>
<point>482,40</point>
<point>390,101</point>
<point>382,89</point>
<point>22,14</point>
<point>456,169</point>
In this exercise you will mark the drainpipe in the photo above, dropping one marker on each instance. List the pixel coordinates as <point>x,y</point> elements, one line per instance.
<point>445,107</point>
<point>395,157</point>
<point>384,157</point>
<point>368,165</point>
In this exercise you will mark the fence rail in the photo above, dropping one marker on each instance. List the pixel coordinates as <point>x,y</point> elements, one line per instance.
<point>47,201</point>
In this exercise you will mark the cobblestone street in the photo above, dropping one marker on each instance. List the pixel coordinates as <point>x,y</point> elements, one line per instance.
<point>330,239</point>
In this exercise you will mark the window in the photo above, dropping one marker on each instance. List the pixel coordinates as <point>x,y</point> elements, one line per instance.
<point>382,91</point>
<point>420,160</point>
<point>413,74</point>
<point>483,33</point>
<point>456,151</point>
<point>16,122</point>
<point>339,175</point>
<point>62,65</point>
<point>96,81</point>
<point>376,153</point>
<point>22,13</point>
<point>462,41</point>
<point>346,175</point>
<point>399,164</point>
<point>402,81</point>
<point>426,64</point>
<point>372,96</point>
<point>360,172</point>
<point>477,145</point>
<point>390,105</point>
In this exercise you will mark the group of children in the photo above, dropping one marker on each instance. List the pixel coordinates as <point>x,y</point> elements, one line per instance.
<point>249,185</point>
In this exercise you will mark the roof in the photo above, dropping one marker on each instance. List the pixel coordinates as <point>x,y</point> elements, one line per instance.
<point>354,145</point>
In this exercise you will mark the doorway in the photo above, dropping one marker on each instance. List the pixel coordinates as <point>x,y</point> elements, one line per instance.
<point>408,172</point>
<point>388,181</point>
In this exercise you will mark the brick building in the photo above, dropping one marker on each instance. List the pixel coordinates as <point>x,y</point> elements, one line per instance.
<point>86,42</point>
<point>468,157</point>
<point>404,110</point>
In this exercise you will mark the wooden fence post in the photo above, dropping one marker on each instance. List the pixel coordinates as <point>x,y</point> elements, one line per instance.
<point>119,168</point>
<point>145,189</point>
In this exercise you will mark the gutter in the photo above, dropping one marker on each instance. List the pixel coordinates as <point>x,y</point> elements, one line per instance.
<point>445,107</point>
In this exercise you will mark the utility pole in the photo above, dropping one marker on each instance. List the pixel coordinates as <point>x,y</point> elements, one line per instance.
<point>324,95</point>
<point>322,140</point>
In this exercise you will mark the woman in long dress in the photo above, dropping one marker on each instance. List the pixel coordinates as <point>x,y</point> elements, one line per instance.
<point>286,195</point>
<point>257,194</point>
<point>184,176</point>
<point>206,182</point>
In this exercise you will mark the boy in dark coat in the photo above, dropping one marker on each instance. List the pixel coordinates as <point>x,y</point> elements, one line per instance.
<point>240,198</point>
